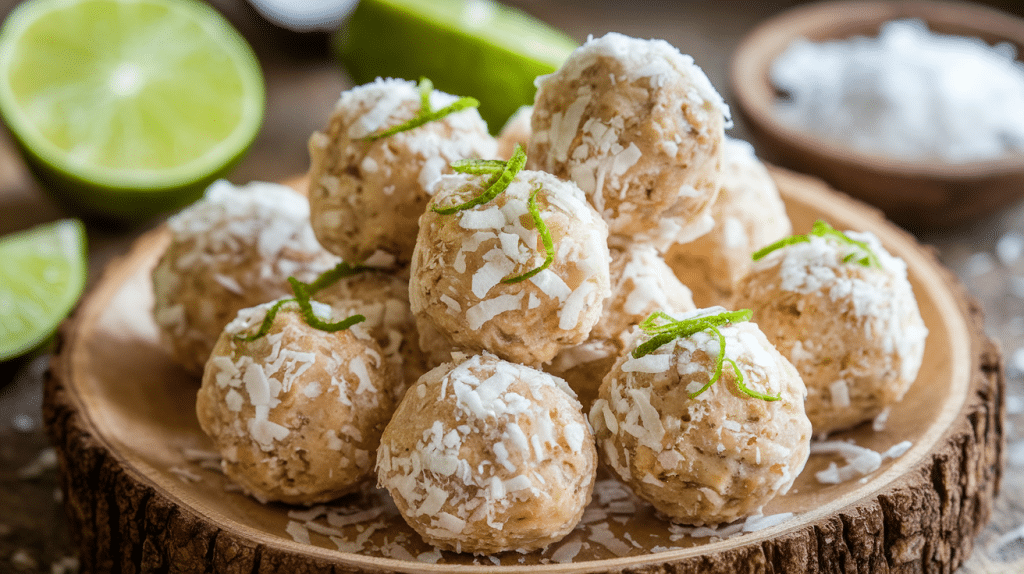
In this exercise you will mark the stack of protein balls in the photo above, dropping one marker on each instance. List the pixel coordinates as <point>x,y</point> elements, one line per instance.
<point>463,306</point>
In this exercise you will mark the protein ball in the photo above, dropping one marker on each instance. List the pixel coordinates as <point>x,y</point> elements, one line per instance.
<point>488,456</point>
<point>639,128</point>
<point>714,458</point>
<point>296,414</point>
<point>641,283</point>
<point>515,131</point>
<point>749,214</point>
<point>854,332</point>
<point>233,249</point>
<point>383,299</point>
<point>368,195</point>
<point>462,258</point>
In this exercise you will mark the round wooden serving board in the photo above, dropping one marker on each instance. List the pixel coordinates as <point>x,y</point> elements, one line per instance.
<point>141,495</point>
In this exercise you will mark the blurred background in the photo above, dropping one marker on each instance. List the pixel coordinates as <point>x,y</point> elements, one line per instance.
<point>303,81</point>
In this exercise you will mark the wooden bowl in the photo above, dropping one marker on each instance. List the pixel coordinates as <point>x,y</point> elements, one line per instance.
<point>917,194</point>
<point>121,414</point>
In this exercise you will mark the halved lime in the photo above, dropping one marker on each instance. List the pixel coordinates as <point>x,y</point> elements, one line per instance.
<point>42,273</point>
<point>128,107</point>
<point>473,48</point>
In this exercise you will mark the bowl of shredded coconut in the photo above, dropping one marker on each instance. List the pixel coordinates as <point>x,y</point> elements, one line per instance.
<point>916,107</point>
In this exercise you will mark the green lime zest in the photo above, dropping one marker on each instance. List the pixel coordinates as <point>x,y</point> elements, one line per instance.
<point>303,293</point>
<point>426,114</point>
<point>478,166</point>
<point>862,254</point>
<point>268,321</point>
<point>545,236</point>
<point>663,329</point>
<point>332,276</point>
<point>747,390</point>
<point>302,297</point>
<point>497,184</point>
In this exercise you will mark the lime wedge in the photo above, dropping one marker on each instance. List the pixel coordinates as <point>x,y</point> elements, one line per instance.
<point>473,48</point>
<point>127,108</point>
<point>42,273</point>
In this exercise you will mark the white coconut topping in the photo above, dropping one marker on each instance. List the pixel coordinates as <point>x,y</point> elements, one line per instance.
<point>860,461</point>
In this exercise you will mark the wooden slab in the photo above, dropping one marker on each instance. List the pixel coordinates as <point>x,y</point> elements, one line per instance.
<point>122,416</point>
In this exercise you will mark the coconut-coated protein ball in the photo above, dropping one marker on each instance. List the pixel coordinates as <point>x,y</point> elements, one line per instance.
<point>296,414</point>
<point>854,332</point>
<point>639,128</point>
<point>715,457</point>
<point>488,456</point>
<point>366,196</point>
<point>748,214</point>
<point>461,261</point>
<point>515,131</point>
<point>233,249</point>
<point>641,283</point>
<point>383,299</point>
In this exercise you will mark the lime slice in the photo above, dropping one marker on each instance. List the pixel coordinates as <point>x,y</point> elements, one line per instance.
<point>473,48</point>
<point>42,273</point>
<point>127,108</point>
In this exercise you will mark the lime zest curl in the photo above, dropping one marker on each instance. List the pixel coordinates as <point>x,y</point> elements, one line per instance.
<point>664,329</point>
<point>331,276</point>
<point>496,185</point>
<point>863,254</point>
<point>268,321</point>
<point>545,236</point>
<point>426,114</point>
<point>478,166</point>
<point>302,297</point>
<point>303,294</point>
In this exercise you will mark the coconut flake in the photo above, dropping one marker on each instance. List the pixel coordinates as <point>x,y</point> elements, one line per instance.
<point>840,394</point>
<point>487,309</point>
<point>650,363</point>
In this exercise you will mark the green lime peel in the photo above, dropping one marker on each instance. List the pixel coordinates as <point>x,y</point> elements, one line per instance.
<point>502,173</point>
<point>426,114</point>
<point>303,295</point>
<point>863,255</point>
<point>663,329</point>
<point>545,236</point>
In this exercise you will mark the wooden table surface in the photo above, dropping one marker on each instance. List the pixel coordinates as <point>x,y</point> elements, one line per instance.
<point>303,83</point>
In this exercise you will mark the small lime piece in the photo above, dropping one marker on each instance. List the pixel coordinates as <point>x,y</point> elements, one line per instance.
<point>42,274</point>
<point>473,48</point>
<point>127,108</point>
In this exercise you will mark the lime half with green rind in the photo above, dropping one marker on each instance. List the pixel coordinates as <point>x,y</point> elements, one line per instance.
<point>127,108</point>
<point>42,275</point>
<point>473,48</point>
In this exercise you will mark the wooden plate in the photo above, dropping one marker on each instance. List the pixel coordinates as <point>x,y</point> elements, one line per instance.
<point>122,416</point>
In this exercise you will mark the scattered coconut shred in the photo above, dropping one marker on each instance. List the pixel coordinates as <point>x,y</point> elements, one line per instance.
<point>860,461</point>
<point>369,523</point>
<point>368,526</point>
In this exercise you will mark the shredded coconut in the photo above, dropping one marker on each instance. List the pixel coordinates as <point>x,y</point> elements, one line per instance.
<point>909,93</point>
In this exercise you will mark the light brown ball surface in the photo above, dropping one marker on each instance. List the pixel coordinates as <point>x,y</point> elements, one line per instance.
<point>639,128</point>
<point>297,414</point>
<point>461,261</point>
<point>383,299</point>
<point>366,196</point>
<point>488,456</point>
<point>854,333</point>
<point>714,458</point>
<point>641,283</point>
<point>748,214</point>
<point>233,249</point>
